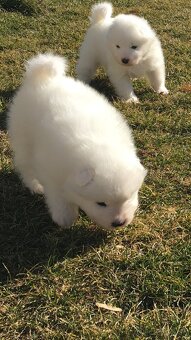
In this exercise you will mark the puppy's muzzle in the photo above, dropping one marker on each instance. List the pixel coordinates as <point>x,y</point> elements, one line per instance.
<point>125,60</point>
<point>118,223</point>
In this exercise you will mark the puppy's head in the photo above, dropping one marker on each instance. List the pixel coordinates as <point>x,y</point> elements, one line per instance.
<point>110,198</point>
<point>129,39</point>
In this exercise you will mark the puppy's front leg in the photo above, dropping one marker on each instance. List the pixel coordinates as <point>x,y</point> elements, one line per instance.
<point>157,80</point>
<point>123,86</point>
<point>62,212</point>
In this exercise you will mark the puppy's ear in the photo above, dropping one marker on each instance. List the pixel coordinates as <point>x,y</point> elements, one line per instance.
<point>144,171</point>
<point>146,33</point>
<point>137,175</point>
<point>142,175</point>
<point>85,176</point>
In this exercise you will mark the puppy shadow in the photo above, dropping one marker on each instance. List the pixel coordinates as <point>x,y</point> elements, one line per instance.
<point>19,6</point>
<point>29,239</point>
<point>103,86</point>
<point>5,97</point>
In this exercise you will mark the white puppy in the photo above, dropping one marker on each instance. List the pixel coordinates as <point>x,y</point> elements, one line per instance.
<point>126,46</point>
<point>71,144</point>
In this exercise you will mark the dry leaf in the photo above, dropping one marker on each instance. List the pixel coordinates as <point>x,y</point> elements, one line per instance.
<point>119,246</point>
<point>186,88</point>
<point>3,309</point>
<point>108,307</point>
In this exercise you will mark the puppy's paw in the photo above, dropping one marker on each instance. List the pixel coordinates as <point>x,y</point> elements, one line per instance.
<point>66,217</point>
<point>36,187</point>
<point>63,221</point>
<point>133,99</point>
<point>163,90</point>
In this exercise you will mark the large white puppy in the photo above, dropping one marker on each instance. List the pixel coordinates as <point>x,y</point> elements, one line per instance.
<point>71,144</point>
<point>126,46</point>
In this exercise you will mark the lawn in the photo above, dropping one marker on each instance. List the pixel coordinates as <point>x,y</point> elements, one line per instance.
<point>52,280</point>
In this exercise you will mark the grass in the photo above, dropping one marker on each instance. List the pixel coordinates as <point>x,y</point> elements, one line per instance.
<point>50,279</point>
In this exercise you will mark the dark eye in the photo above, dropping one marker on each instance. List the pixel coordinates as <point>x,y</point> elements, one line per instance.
<point>134,47</point>
<point>117,46</point>
<point>102,204</point>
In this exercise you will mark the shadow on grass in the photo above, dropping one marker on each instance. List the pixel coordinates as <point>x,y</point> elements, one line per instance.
<point>28,237</point>
<point>103,86</point>
<point>5,97</point>
<point>25,7</point>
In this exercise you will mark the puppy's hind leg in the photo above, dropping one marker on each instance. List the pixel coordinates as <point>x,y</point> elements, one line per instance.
<point>157,80</point>
<point>86,71</point>
<point>86,66</point>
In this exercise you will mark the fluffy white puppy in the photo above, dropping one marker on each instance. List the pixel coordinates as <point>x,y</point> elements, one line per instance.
<point>73,146</point>
<point>126,46</point>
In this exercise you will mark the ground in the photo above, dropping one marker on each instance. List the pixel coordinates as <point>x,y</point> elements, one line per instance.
<point>51,280</point>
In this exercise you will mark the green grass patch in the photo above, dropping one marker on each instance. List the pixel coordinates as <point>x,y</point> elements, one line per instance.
<point>51,279</point>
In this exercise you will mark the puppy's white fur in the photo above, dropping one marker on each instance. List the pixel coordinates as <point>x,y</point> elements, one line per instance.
<point>126,46</point>
<point>73,146</point>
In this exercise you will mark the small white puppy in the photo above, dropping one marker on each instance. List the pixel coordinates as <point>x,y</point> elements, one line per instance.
<point>73,146</point>
<point>126,46</point>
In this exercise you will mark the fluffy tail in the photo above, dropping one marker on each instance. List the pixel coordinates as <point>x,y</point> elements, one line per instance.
<point>44,67</point>
<point>100,12</point>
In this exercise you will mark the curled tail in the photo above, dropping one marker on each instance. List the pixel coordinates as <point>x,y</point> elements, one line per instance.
<point>43,67</point>
<point>100,12</point>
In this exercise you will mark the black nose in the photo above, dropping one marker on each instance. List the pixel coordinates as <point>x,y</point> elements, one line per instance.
<point>125,60</point>
<point>118,223</point>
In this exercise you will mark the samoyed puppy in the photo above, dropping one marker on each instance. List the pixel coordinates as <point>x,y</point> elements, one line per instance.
<point>126,46</point>
<point>72,145</point>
